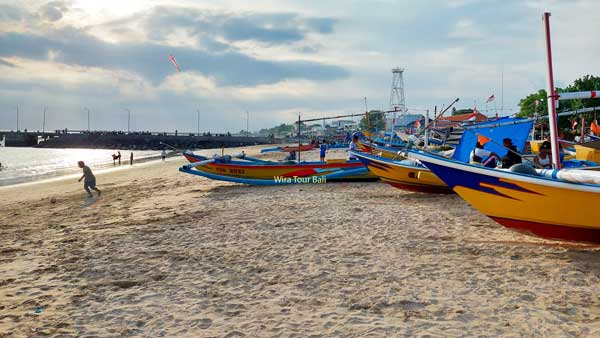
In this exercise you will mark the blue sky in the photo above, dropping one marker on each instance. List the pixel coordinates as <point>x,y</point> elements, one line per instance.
<point>274,58</point>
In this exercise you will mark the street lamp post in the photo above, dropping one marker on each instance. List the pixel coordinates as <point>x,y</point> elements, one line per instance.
<point>198,130</point>
<point>247,122</point>
<point>88,117</point>
<point>44,122</point>
<point>128,119</point>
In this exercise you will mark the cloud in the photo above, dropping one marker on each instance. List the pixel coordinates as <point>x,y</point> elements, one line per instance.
<point>267,28</point>
<point>73,47</point>
<point>12,13</point>
<point>6,63</point>
<point>53,11</point>
<point>466,29</point>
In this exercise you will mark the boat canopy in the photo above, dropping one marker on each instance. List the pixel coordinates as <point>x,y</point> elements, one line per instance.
<point>517,129</point>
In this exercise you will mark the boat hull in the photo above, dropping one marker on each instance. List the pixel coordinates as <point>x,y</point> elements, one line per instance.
<point>270,173</point>
<point>407,177</point>
<point>536,205</point>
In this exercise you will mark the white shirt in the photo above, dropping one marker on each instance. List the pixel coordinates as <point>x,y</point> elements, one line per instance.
<point>543,161</point>
<point>352,147</point>
<point>482,153</point>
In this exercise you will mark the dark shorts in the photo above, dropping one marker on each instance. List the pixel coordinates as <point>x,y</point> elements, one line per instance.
<point>89,183</point>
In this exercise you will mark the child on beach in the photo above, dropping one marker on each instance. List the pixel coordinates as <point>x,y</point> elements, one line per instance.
<point>353,147</point>
<point>90,179</point>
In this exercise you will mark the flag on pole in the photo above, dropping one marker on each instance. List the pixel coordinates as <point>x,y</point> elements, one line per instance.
<point>574,124</point>
<point>482,139</point>
<point>473,115</point>
<point>595,127</point>
<point>172,58</point>
<point>490,99</point>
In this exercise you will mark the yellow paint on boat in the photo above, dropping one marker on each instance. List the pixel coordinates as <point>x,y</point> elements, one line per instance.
<point>539,203</point>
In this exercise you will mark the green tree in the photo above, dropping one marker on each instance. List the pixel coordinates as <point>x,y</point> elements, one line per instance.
<point>529,107</point>
<point>376,121</point>
<point>586,83</point>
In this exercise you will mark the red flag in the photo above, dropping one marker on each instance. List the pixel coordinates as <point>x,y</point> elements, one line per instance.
<point>473,115</point>
<point>172,58</point>
<point>595,128</point>
<point>574,124</point>
<point>490,99</point>
<point>418,124</point>
<point>482,139</point>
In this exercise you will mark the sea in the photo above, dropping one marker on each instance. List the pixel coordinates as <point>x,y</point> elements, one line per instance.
<point>20,165</point>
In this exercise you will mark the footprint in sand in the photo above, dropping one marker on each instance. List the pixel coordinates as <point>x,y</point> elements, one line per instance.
<point>203,323</point>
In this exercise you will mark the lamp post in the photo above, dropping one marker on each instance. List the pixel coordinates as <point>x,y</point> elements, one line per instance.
<point>44,122</point>
<point>128,119</point>
<point>247,123</point>
<point>198,129</point>
<point>17,118</point>
<point>88,117</point>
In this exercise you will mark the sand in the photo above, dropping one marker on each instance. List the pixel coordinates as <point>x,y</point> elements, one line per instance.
<point>165,254</point>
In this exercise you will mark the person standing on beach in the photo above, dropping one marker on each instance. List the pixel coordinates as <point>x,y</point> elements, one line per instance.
<point>353,147</point>
<point>323,149</point>
<point>163,154</point>
<point>90,179</point>
<point>119,156</point>
<point>131,158</point>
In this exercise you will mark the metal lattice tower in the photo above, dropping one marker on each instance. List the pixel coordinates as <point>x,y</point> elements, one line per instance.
<point>397,95</point>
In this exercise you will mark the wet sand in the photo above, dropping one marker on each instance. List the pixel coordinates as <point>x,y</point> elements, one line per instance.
<point>165,254</point>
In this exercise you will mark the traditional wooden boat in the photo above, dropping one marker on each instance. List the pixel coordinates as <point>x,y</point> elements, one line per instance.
<point>555,204</point>
<point>287,149</point>
<point>248,170</point>
<point>403,174</point>
<point>527,202</point>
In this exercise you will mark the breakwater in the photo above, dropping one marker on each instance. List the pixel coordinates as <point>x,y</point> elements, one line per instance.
<point>132,140</point>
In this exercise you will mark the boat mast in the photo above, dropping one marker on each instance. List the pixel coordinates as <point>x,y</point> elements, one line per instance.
<point>427,131</point>
<point>552,97</point>
<point>368,127</point>
<point>299,141</point>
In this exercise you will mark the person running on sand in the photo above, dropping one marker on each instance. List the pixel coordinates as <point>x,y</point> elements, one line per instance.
<point>90,179</point>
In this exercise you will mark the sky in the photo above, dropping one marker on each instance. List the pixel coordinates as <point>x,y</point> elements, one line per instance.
<point>275,59</point>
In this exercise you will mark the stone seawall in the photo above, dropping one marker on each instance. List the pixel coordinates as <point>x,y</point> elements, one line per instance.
<point>149,141</point>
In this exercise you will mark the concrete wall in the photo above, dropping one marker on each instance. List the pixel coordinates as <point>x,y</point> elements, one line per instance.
<point>141,141</point>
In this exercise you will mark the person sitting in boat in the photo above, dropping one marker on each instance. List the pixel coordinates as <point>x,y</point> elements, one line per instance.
<point>485,157</point>
<point>512,157</point>
<point>543,159</point>
<point>353,147</point>
<point>291,156</point>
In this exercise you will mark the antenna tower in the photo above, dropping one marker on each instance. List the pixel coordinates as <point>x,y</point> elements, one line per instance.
<point>397,94</point>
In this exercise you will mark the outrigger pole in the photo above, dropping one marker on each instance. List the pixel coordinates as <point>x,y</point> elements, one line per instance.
<point>299,141</point>
<point>552,97</point>
<point>332,117</point>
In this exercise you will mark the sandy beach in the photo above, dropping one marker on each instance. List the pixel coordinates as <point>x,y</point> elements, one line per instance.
<point>165,254</point>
